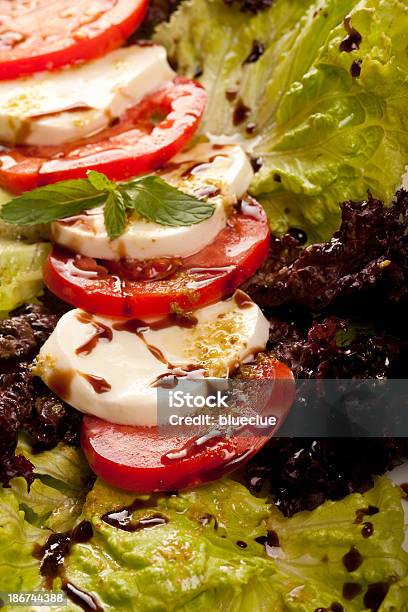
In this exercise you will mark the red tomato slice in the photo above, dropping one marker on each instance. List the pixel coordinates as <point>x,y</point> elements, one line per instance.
<point>42,35</point>
<point>136,145</point>
<point>135,458</point>
<point>203,278</point>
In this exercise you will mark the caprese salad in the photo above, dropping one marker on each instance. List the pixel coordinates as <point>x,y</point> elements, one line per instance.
<point>213,204</point>
<point>151,262</point>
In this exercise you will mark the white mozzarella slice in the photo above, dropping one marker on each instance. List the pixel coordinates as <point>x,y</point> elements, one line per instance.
<point>52,108</point>
<point>115,379</point>
<point>219,175</point>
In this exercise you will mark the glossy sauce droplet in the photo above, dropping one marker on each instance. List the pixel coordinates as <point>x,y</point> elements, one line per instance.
<point>241,113</point>
<point>102,332</point>
<point>258,49</point>
<point>367,530</point>
<point>351,590</point>
<point>355,68</point>
<point>99,385</point>
<point>375,595</point>
<point>242,300</point>
<point>54,552</point>
<point>353,39</point>
<point>81,598</point>
<point>363,512</point>
<point>299,235</point>
<point>352,560</point>
<point>122,519</point>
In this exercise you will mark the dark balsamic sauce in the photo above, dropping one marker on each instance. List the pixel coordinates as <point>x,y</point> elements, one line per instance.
<point>299,235</point>
<point>242,300</point>
<point>241,544</point>
<point>88,264</point>
<point>231,94</point>
<point>145,271</point>
<point>271,539</point>
<point>250,128</point>
<point>351,590</point>
<point>165,381</point>
<point>375,595</point>
<point>256,163</point>
<point>355,68</point>
<point>99,385</point>
<point>361,513</point>
<point>58,546</point>
<point>139,327</point>
<point>122,519</point>
<point>81,598</point>
<point>60,382</point>
<point>352,560</point>
<point>404,488</point>
<point>102,332</point>
<point>353,39</point>
<point>367,530</point>
<point>241,113</point>
<point>258,49</point>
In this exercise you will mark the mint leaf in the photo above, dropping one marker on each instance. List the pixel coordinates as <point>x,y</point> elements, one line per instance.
<point>100,181</point>
<point>52,202</point>
<point>115,214</point>
<point>149,196</point>
<point>157,201</point>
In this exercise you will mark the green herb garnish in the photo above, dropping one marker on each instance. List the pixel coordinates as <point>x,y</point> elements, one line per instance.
<point>148,196</point>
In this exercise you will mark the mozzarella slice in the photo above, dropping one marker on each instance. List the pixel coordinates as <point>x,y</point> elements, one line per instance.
<point>217,174</point>
<point>115,378</point>
<point>56,107</point>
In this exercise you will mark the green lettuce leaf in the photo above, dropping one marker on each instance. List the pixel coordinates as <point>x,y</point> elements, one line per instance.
<point>57,495</point>
<point>53,504</point>
<point>322,135</point>
<point>206,556</point>
<point>19,570</point>
<point>20,271</point>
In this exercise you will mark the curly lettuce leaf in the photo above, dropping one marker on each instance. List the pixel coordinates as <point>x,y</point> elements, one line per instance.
<point>19,570</point>
<point>20,271</point>
<point>53,504</point>
<point>206,555</point>
<point>56,497</point>
<point>323,135</point>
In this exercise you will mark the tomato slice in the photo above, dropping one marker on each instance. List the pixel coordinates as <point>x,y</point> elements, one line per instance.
<point>135,145</point>
<point>42,35</point>
<point>136,458</point>
<point>213,273</point>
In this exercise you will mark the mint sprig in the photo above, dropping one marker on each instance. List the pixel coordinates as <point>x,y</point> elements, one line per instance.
<point>148,196</point>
